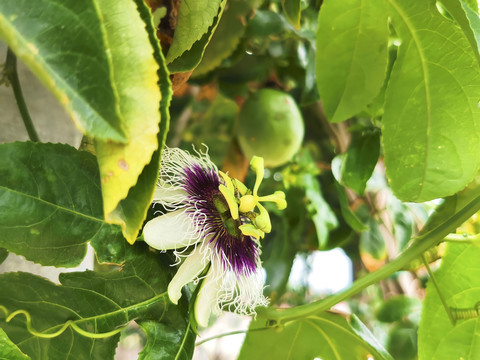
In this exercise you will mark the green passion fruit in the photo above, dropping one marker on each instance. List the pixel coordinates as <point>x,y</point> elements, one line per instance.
<point>270,125</point>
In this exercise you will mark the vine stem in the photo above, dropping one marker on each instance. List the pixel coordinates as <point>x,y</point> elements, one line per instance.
<point>420,244</point>
<point>439,291</point>
<point>12,75</point>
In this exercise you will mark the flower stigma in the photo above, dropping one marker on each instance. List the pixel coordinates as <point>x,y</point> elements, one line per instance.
<point>213,224</point>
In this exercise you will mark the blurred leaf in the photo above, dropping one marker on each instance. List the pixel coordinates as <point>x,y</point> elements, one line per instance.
<point>8,350</point>
<point>3,254</point>
<point>226,37</point>
<point>459,280</point>
<point>443,136</point>
<point>322,216</point>
<point>310,89</point>
<point>326,336</point>
<point>192,39</point>
<point>349,216</point>
<point>402,342</point>
<point>249,68</point>
<point>403,223</point>
<point>292,11</point>
<point>130,211</point>
<point>303,175</point>
<point>195,17</point>
<point>265,23</point>
<point>51,204</point>
<point>98,302</point>
<point>356,165</point>
<point>351,55</point>
<point>397,308</point>
<point>281,245</point>
<point>373,250</point>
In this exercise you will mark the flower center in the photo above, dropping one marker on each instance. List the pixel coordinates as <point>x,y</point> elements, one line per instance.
<point>231,225</point>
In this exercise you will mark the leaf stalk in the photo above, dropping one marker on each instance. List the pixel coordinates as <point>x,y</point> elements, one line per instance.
<point>12,76</point>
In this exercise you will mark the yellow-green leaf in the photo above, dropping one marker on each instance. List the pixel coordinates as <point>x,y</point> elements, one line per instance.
<point>122,164</point>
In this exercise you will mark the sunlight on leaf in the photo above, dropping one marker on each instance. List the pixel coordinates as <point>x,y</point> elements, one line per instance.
<point>136,79</point>
<point>351,57</point>
<point>434,63</point>
<point>8,350</point>
<point>326,336</point>
<point>459,280</point>
<point>130,212</point>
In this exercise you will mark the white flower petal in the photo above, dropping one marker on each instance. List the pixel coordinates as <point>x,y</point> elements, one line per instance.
<point>169,194</point>
<point>189,270</point>
<point>207,298</point>
<point>172,230</point>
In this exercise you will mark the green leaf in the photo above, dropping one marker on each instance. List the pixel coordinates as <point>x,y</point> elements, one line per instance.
<point>435,62</point>
<point>292,11</point>
<point>226,37</point>
<point>3,254</point>
<point>459,280</point>
<point>196,23</point>
<point>303,176</point>
<point>351,57</point>
<point>372,247</point>
<point>130,212</point>
<point>51,204</point>
<point>66,46</point>
<point>452,205</point>
<point>322,215</point>
<point>266,23</point>
<point>97,59</point>
<point>349,216</point>
<point>326,336</point>
<point>472,4</point>
<point>167,342</point>
<point>356,165</point>
<point>467,19</point>
<point>136,79</point>
<point>397,308</point>
<point>402,342</point>
<point>8,350</point>
<point>97,302</point>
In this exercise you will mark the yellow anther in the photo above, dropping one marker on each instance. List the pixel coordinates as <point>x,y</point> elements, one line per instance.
<point>278,197</point>
<point>262,221</point>
<point>257,165</point>
<point>251,230</point>
<point>230,198</point>
<point>242,189</point>
<point>247,203</point>
<point>228,181</point>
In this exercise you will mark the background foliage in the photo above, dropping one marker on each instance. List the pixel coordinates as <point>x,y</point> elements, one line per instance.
<point>387,171</point>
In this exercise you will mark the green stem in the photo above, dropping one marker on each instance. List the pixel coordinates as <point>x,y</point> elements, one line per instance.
<point>439,291</point>
<point>421,244</point>
<point>236,332</point>
<point>12,75</point>
<point>463,238</point>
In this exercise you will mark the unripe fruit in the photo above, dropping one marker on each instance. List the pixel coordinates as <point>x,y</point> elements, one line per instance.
<point>270,125</point>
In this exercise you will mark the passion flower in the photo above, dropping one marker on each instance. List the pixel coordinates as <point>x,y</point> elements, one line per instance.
<point>214,224</point>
